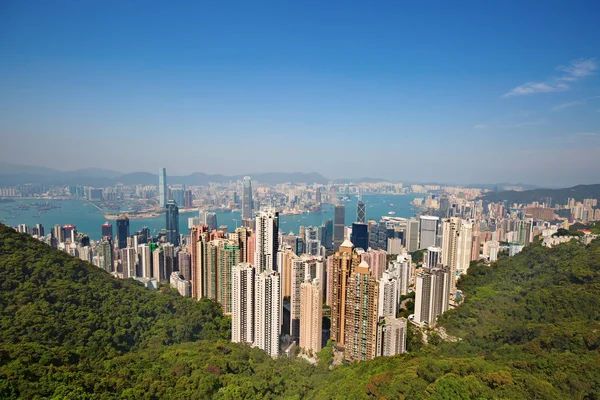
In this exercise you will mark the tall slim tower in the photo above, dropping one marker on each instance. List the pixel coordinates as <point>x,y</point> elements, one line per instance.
<point>464,247</point>
<point>343,263</point>
<point>338,226</point>
<point>172,223</point>
<point>267,241</point>
<point>267,312</point>
<point>247,205</point>
<point>122,231</point>
<point>431,295</point>
<point>129,261</point>
<point>162,187</point>
<point>311,315</point>
<point>242,303</point>
<point>360,333</point>
<point>450,234</point>
<point>361,212</point>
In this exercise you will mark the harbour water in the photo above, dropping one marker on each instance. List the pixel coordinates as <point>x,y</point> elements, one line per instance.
<point>88,218</point>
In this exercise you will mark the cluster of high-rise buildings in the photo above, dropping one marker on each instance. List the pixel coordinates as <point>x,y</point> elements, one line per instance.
<point>341,281</point>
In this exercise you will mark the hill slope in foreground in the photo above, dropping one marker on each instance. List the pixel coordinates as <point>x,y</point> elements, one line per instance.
<point>529,329</point>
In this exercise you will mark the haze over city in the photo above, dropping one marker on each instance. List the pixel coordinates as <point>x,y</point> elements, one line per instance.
<point>415,92</point>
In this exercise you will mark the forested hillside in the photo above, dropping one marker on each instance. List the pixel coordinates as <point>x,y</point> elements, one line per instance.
<point>529,328</point>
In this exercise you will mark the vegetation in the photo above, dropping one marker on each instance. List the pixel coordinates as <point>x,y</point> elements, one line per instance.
<point>528,328</point>
<point>559,196</point>
<point>567,232</point>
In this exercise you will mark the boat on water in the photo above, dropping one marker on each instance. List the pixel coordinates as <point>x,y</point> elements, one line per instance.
<point>390,205</point>
<point>392,213</point>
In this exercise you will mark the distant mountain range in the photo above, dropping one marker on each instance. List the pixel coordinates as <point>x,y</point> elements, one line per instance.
<point>560,196</point>
<point>18,174</point>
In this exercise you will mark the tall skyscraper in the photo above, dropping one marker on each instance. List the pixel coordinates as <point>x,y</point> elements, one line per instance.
<point>343,263</point>
<point>297,278</point>
<point>361,212</point>
<point>464,247</point>
<point>428,231</point>
<point>388,295</point>
<point>267,241</point>
<point>247,205</point>
<point>145,261</point>
<point>328,235</point>
<point>162,187</point>
<point>122,231</point>
<point>411,235</point>
<point>210,219</point>
<point>312,244</point>
<point>172,223</point>
<point>129,261</point>
<point>267,312</point>
<point>105,250</point>
<point>402,269</point>
<point>107,230</point>
<point>188,199</point>
<point>311,315</point>
<point>184,263</point>
<point>360,235</point>
<point>158,265</point>
<point>360,332</point>
<point>431,295</point>
<point>450,235</point>
<point>338,225</point>
<point>242,303</point>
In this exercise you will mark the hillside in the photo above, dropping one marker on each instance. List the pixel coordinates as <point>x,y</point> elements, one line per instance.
<point>529,328</point>
<point>559,196</point>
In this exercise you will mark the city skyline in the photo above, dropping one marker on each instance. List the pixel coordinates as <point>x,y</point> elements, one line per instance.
<point>506,100</point>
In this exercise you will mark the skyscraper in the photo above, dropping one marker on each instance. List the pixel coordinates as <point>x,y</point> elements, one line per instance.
<point>184,263</point>
<point>267,241</point>
<point>360,331</point>
<point>360,235</point>
<point>122,231</point>
<point>107,231</point>
<point>343,263</point>
<point>267,312</point>
<point>242,303</point>
<point>105,251</point>
<point>158,265</point>
<point>247,205</point>
<point>129,261</point>
<point>172,223</point>
<point>188,199</point>
<point>428,231</point>
<point>145,261</point>
<point>450,234</point>
<point>327,238</point>
<point>431,295</point>
<point>312,244</point>
<point>388,295</point>
<point>361,212</point>
<point>162,187</point>
<point>411,235</point>
<point>338,225</point>
<point>433,257</point>
<point>297,278</point>
<point>311,315</point>
<point>210,219</point>
<point>464,247</point>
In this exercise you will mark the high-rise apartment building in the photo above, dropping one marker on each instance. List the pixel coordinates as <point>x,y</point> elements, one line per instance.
<point>431,295</point>
<point>391,336</point>
<point>428,231</point>
<point>432,257</point>
<point>247,205</point>
<point>464,247</point>
<point>158,265</point>
<point>311,315</point>
<point>267,312</point>
<point>105,250</point>
<point>267,241</point>
<point>388,295</point>
<point>312,243</point>
<point>188,199</point>
<point>342,264</point>
<point>339,217</point>
<point>184,263</point>
<point>297,278</point>
<point>242,303</point>
<point>129,261</point>
<point>402,270</point>
<point>145,261</point>
<point>450,235</point>
<point>162,187</point>
<point>360,331</point>
<point>172,223</point>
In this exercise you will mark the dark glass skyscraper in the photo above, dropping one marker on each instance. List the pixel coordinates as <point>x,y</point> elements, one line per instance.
<point>247,198</point>
<point>122,231</point>
<point>172,223</point>
<point>327,235</point>
<point>107,231</point>
<point>339,217</point>
<point>360,236</point>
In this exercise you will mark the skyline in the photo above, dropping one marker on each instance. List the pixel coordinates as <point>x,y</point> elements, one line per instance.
<point>450,95</point>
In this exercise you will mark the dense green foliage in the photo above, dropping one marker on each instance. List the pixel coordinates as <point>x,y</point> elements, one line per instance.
<point>528,328</point>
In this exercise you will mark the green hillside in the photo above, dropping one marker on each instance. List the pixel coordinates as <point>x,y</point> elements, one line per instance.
<point>529,328</point>
<point>559,196</point>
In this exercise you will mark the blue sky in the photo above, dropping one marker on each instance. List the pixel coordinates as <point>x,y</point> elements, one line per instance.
<point>421,91</point>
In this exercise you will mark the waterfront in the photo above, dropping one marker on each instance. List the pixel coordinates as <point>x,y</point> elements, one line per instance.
<point>88,218</point>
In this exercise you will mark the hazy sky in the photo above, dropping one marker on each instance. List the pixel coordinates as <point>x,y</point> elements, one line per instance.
<point>400,90</point>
